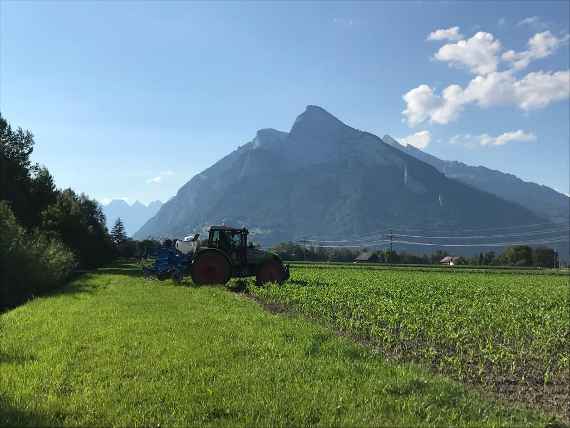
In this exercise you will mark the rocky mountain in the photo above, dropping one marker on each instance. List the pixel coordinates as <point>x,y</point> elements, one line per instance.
<point>325,179</point>
<point>541,200</point>
<point>133,216</point>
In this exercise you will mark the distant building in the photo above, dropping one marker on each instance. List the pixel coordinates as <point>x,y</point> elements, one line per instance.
<point>449,260</point>
<point>366,257</point>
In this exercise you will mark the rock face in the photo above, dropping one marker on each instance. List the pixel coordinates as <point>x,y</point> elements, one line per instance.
<point>133,216</point>
<point>325,179</point>
<point>541,200</point>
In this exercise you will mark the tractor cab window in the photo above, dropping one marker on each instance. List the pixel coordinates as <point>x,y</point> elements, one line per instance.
<point>222,240</point>
<point>215,239</point>
<point>236,240</point>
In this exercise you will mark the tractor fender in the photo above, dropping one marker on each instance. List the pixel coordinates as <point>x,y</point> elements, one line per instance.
<point>268,256</point>
<point>210,250</point>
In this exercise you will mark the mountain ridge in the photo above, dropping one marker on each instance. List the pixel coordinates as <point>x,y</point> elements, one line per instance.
<point>538,198</point>
<point>327,179</point>
<point>132,215</point>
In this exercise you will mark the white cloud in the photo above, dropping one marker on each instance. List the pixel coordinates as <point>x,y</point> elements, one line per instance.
<point>507,137</point>
<point>479,53</point>
<point>533,21</point>
<point>420,139</point>
<point>451,34</point>
<point>160,177</point>
<point>421,102</point>
<point>487,140</point>
<point>533,91</point>
<point>539,89</point>
<point>467,140</point>
<point>540,45</point>
<point>156,180</point>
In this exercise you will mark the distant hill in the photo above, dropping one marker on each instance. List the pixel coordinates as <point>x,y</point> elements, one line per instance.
<point>326,179</point>
<point>133,216</point>
<point>541,200</point>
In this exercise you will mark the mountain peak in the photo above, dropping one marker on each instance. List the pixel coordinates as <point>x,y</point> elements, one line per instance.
<point>316,121</point>
<point>117,203</point>
<point>313,112</point>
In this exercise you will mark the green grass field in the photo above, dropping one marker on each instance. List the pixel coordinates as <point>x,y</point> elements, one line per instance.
<point>114,350</point>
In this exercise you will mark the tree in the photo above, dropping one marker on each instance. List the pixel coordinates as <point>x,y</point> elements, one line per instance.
<point>15,150</point>
<point>79,222</point>
<point>518,255</point>
<point>30,262</point>
<point>545,257</point>
<point>118,234</point>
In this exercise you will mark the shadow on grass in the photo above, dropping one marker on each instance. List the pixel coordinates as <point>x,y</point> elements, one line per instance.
<point>134,271</point>
<point>11,416</point>
<point>6,358</point>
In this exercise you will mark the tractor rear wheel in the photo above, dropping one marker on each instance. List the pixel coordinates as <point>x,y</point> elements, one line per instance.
<point>271,271</point>
<point>210,267</point>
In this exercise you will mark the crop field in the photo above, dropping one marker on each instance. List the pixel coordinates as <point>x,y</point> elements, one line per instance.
<point>112,349</point>
<point>509,333</point>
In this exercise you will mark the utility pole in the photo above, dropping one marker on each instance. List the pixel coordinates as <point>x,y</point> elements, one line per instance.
<point>390,257</point>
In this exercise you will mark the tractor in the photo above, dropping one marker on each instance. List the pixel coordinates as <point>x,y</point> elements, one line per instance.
<point>226,255</point>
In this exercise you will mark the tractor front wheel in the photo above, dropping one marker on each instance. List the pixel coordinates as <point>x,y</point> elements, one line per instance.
<point>271,271</point>
<point>210,267</point>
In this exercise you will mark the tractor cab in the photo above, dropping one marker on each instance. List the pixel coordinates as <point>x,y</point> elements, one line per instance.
<point>232,241</point>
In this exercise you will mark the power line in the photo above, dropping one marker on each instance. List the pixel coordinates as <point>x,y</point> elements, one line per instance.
<point>467,237</point>
<point>383,232</point>
<point>539,232</point>
<point>437,244</point>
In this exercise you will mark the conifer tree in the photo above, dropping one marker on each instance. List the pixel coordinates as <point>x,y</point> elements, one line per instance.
<point>118,234</point>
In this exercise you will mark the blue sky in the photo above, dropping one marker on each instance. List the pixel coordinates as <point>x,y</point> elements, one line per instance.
<point>131,99</point>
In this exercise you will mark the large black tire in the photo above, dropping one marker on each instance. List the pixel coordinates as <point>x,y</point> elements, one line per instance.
<point>210,267</point>
<point>271,271</point>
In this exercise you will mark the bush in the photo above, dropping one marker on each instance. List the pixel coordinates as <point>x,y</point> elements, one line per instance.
<point>30,263</point>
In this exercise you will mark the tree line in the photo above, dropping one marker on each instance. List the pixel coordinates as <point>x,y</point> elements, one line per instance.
<point>519,255</point>
<point>46,233</point>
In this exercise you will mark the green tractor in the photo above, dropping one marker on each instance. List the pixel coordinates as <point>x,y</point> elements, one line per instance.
<point>228,255</point>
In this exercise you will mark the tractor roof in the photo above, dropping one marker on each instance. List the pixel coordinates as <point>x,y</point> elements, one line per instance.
<point>228,228</point>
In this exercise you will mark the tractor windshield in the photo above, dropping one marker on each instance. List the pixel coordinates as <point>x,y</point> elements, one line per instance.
<point>235,240</point>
